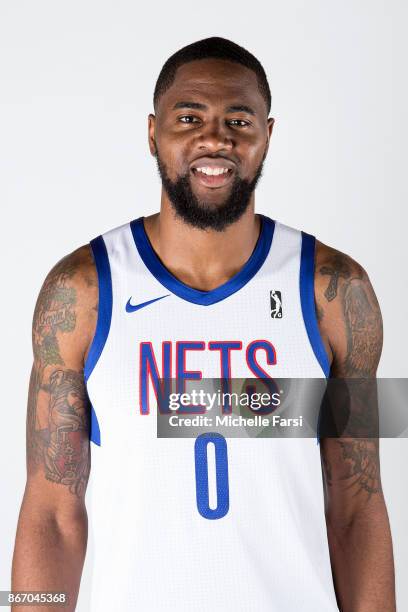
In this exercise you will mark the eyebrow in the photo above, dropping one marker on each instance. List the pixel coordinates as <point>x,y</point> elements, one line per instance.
<point>241,108</point>
<point>236,108</point>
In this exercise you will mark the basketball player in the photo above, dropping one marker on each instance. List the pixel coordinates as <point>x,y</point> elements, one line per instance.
<point>186,293</point>
<point>277,306</point>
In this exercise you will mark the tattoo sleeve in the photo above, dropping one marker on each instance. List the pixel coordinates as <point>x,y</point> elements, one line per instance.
<point>58,406</point>
<point>349,316</point>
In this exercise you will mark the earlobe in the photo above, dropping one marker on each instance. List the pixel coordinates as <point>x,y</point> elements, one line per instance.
<point>151,130</point>
<point>271,123</point>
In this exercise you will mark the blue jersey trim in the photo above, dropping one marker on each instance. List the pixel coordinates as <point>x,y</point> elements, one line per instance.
<point>101,259</point>
<point>203,298</point>
<point>307,270</point>
<point>95,434</point>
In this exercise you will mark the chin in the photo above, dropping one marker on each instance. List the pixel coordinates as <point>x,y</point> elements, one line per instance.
<point>211,200</point>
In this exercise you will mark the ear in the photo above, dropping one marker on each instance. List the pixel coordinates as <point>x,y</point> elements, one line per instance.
<point>151,134</point>
<point>270,123</point>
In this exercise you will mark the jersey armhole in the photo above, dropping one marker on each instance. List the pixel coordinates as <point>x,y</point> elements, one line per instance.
<point>307,298</point>
<point>103,323</point>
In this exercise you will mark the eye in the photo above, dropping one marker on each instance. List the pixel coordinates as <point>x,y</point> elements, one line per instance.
<point>188,119</point>
<point>238,123</point>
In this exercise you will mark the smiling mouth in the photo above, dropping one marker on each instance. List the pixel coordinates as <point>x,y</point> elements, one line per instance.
<point>213,176</point>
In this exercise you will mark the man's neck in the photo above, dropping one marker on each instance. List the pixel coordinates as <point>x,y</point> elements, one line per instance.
<point>202,259</point>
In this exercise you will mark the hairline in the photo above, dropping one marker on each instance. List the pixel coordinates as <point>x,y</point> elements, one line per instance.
<point>218,59</point>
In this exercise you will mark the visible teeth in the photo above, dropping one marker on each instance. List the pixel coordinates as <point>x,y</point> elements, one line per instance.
<point>212,171</point>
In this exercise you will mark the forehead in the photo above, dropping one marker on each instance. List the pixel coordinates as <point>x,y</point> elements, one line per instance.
<point>215,82</point>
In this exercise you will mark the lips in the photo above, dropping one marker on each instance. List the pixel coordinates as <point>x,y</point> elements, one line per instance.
<point>212,172</point>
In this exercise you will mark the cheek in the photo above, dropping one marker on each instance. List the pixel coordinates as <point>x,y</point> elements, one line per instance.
<point>175,157</point>
<point>251,157</point>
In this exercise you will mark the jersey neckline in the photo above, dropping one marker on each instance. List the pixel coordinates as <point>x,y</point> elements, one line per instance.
<point>196,296</point>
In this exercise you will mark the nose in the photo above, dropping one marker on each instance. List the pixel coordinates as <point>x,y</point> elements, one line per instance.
<point>214,137</point>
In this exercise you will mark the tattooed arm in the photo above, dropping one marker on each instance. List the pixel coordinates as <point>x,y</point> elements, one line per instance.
<point>52,528</point>
<point>356,516</point>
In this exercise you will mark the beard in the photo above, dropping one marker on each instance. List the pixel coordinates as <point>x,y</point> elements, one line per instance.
<point>205,215</point>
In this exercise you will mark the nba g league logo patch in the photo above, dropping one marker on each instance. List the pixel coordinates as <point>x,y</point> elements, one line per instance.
<point>276,304</point>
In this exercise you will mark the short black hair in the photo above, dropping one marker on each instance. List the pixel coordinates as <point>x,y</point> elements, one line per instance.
<point>214,47</point>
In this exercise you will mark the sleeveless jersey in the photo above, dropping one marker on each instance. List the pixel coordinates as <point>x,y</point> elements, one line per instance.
<point>158,545</point>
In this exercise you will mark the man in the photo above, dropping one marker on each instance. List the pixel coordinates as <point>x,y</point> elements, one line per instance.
<point>187,293</point>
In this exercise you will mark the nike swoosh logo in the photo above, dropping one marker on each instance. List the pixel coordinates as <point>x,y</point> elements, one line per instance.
<point>131,307</point>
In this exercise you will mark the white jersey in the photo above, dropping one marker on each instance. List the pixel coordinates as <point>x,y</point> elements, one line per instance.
<point>159,544</point>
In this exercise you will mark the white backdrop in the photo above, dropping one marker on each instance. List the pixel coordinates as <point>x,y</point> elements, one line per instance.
<point>76,83</point>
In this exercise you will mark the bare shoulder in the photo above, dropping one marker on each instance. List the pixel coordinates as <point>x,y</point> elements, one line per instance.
<point>348,313</point>
<point>67,304</point>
